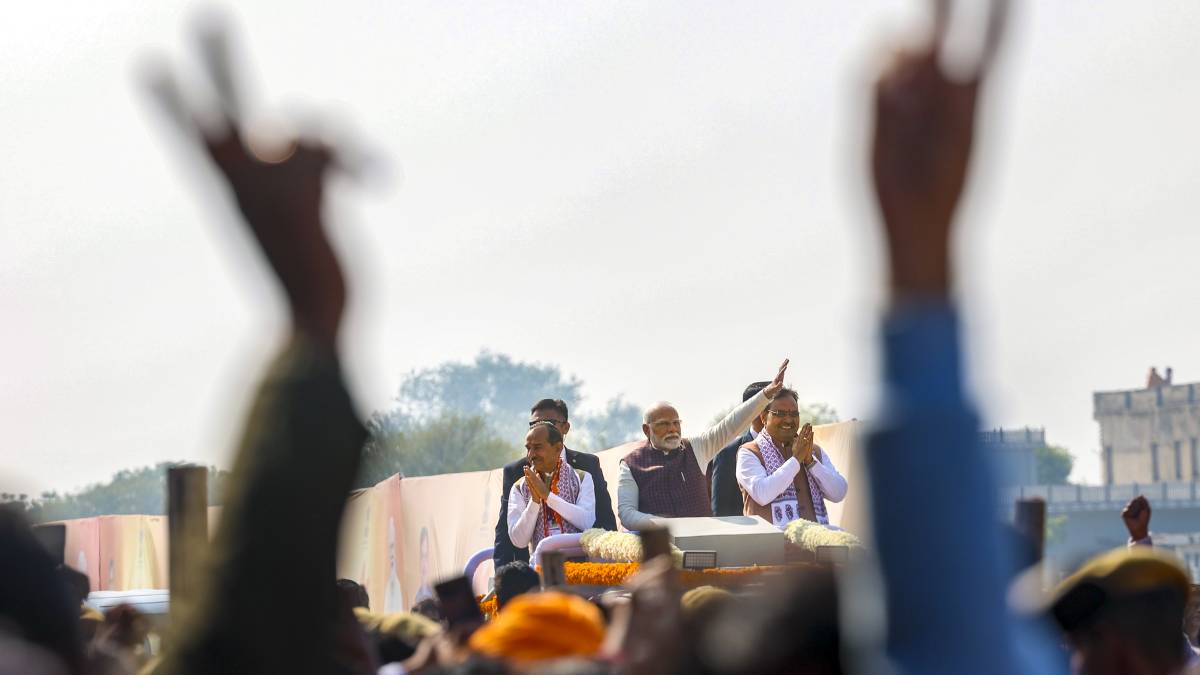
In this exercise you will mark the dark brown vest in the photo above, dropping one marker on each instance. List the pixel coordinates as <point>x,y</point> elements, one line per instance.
<point>804,501</point>
<point>670,485</point>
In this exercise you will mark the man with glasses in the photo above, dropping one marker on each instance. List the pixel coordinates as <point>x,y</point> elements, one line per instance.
<point>782,474</point>
<point>553,410</point>
<point>662,477</point>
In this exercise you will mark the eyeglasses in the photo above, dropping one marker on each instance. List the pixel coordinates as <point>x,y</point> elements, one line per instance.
<point>534,423</point>
<point>786,414</point>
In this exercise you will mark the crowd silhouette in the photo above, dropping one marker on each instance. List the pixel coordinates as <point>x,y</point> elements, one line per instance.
<point>271,602</point>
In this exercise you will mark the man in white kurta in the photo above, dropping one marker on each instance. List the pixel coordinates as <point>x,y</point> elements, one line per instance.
<point>769,469</point>
<point>553,497</point>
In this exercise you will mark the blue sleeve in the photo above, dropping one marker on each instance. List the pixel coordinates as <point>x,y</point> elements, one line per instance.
<point>934,507</point>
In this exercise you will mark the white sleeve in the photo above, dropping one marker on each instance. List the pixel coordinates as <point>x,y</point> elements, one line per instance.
<point>762,487</point>
<point>711,440</point>
<point>522,517</point>
<point>581,514</point>
<point>627,501</point>
<point>833,484</point>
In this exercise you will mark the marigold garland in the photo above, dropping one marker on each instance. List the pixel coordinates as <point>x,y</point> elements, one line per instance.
<point>488,607</point>
<point>615,574</point>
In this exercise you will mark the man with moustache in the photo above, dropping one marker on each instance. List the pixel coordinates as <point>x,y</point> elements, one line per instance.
<point>782,474</point>
<point>552,497</point>
<point>663,477</point>
<point>553,410</point>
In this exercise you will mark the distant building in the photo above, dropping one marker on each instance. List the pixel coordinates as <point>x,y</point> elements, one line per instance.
<point>1015,453</point>
<point>1150,435</point>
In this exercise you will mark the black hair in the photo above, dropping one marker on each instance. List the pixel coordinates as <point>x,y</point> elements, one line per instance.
<point>353,593</point>
<point>513,579</point>
<point>556,404</point>
<point>752,390</point>
<point>786,392</point>
<point>553,435</point>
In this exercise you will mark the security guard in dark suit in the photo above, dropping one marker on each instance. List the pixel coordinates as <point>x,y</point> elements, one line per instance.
<point>550,410</point>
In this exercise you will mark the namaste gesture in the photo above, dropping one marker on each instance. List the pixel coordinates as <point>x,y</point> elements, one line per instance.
<point>802,447</point>
<point>538,489</point>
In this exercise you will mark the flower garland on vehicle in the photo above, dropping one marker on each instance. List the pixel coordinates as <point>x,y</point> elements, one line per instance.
<point>809,535</point>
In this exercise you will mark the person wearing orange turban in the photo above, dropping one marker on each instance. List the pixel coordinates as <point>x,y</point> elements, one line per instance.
<point>542,626</point>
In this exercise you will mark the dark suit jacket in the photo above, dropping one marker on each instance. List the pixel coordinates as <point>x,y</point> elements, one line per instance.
<point>504,551</point>
<point>722,475</point>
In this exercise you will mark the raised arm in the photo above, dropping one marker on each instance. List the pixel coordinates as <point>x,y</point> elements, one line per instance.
<point>300,448</point>
<point>710,441</point>
<point>925,464</point>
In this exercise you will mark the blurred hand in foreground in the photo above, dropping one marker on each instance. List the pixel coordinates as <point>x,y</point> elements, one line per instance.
<point>278,189</point>
<point>923,135</point>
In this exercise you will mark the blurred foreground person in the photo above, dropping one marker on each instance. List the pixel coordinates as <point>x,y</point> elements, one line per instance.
<point>541,627</point>
<point>790,625</point>
<point>353,594</point>
<point>39,615</point>
<point>270,603</point>
<point>1122,613</point>
<point>945,600</point>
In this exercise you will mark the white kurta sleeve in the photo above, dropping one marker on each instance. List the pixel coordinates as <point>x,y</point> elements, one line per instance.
<point>627,502</point>
<point>522,516</point>
<point>762,487</point>
<point>833,484</point>
<point>581,514</point>
<point>709,442</point>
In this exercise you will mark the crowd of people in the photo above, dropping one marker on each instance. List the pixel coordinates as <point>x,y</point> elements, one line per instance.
<point>937,602</point>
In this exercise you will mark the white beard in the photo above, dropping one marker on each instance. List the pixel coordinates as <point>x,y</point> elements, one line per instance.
<point>669,443</point>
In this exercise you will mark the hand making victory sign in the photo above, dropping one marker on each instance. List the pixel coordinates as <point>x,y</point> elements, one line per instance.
<point>924,129</point>
<point>279,192</point>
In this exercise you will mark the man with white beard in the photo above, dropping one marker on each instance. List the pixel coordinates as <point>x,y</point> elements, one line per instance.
<point>663,477</point>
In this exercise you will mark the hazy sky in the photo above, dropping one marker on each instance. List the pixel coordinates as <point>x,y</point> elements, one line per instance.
<point>664,198</point>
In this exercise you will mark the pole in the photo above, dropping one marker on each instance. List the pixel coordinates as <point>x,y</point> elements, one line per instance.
<point>187,533</point>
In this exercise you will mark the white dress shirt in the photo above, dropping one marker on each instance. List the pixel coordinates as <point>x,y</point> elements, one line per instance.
<point>705,446</point>
<point>523,516</point>
<point>765,487</point>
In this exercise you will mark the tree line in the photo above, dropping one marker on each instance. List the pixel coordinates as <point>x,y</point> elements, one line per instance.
<point>456,416</point>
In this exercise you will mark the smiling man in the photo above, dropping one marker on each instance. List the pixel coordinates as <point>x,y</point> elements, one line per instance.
<point>553,497</point>
<point>782,473</point>
<point>663,477</point>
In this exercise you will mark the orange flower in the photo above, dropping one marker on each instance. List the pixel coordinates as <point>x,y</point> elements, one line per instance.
<point>615,574</point>
<point>488,607</point>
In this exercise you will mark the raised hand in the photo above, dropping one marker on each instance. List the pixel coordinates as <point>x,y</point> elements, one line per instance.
<point>802,447</point>
<point>923,135</point>
<point>279,191</point>
<point>1136,515</point>
<point>772,390</point>
<point>538,489</point>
